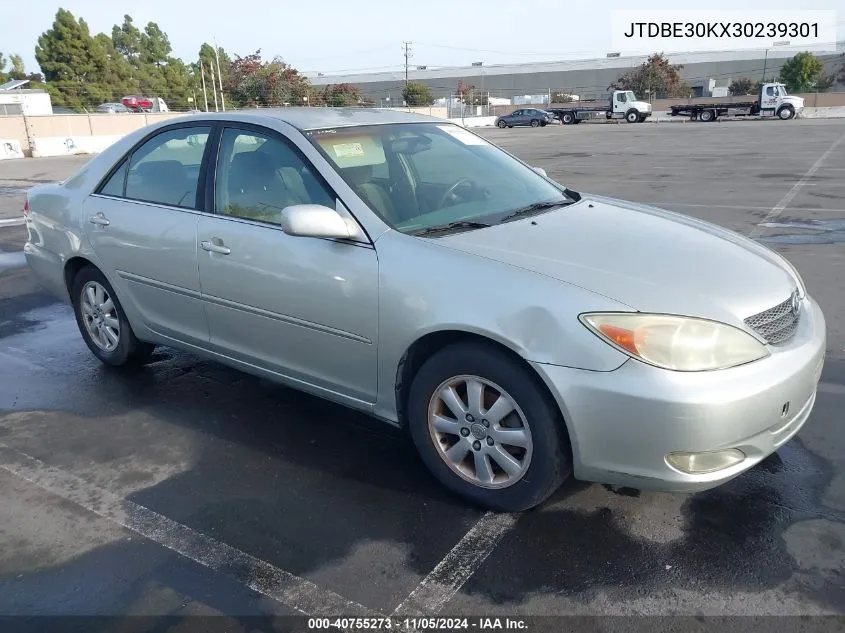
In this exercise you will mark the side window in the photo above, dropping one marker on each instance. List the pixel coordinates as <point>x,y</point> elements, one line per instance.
<point>166,169</point>
<point>622,97</point>
<point>114,185</point>
<point>770,91</point>
<point>259,175</point>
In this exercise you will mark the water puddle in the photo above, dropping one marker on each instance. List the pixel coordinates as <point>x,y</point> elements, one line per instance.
<point>826,232</point>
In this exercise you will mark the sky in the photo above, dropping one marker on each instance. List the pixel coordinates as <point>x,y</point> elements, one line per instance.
<point>335,36</point>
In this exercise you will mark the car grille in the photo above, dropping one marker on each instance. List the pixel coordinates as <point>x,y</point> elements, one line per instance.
<point>776,325</point>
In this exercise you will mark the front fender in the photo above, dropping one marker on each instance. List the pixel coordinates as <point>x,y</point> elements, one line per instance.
<point>425,287</point>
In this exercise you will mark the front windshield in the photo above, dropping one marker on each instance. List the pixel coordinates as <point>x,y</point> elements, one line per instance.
<point>630,96</point>
<point>419,176</point>
<point>783,91</point>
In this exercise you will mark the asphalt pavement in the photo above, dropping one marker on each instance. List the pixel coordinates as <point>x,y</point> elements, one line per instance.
<point>187,488</point>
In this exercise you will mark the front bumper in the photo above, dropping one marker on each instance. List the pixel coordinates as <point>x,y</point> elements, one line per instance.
<point>623,423</point>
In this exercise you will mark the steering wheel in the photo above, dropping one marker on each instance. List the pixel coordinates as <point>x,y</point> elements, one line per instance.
<point>452,190</point>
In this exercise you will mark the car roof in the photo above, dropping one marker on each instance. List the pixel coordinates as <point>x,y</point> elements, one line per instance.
<point>311,118</point>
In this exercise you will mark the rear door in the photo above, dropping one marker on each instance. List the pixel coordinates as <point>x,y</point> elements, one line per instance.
<point>142,222</point>
<point>305,308</point>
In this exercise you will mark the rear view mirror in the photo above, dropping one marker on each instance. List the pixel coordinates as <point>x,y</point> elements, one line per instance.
<point>540,171</point>
<point>314,220</point>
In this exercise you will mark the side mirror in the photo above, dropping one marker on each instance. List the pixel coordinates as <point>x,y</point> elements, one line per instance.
<point>314,220</point>
<point>540,171</point>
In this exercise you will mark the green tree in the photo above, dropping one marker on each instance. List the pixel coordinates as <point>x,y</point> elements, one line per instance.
<point>127,40</point>
<point>72,62</point>
<point>825,82</point>
<point>802,72</point>
<point>417,94</point>
<point>741,86</point>
<point>4,77</point>
<point>340,95</point>
<point>654,77</point>
<point>155,46</point>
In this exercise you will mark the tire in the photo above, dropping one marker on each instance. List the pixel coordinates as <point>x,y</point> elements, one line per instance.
<point>786,112</point>
<point>126,349</point>
<point>567,118</point>
<point>608,115</point>
<point>632,116</point>
<point>535,123</point>
<point>502,125</point>
<point>544,462</point>
<point>706,116</point>
<point>642,118</point>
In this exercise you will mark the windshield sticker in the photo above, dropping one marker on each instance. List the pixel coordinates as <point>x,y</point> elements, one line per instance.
<point>467,138</point>
<point>348,150</point>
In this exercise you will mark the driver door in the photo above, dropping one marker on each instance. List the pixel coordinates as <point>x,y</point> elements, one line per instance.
<point>300,307</point>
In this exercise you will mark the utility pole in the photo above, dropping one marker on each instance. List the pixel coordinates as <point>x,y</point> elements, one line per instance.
<point>204,93</point>
<point>213,88</point>
<point>219,77</point>
<point>407,47</point>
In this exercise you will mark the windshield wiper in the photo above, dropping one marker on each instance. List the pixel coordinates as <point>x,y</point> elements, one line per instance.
<point>452,226</point>
<point>534,208</point>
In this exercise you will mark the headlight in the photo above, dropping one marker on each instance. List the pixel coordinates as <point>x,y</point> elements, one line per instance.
<point>676,342</point>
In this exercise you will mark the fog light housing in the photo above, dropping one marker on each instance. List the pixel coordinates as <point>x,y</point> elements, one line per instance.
<point>701,463</point>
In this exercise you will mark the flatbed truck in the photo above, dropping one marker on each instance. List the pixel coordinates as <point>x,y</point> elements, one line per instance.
<point>772,100</point>
<point>623,104</point>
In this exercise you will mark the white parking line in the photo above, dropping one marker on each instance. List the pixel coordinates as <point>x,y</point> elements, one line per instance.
<point>789,195</point>
<point>260,576</point>
<point>462,561</point>
<point>12,222</point>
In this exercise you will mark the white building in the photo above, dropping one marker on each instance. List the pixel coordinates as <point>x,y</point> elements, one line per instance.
<point>16,100</point>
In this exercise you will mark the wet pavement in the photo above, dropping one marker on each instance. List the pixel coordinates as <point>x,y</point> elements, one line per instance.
<point>184,487</point>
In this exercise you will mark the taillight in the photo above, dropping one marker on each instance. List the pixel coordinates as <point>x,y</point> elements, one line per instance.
<point>26,207</point>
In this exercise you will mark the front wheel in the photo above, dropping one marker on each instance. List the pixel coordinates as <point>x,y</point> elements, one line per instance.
<point>102,322</point>
<point>632,116</point>
<point>786,113</point>
<point>486,428</point>
<point>501,124</point>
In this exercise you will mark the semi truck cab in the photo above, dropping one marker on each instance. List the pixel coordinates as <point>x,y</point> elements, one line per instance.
<point>774,100</point>
<point>624,103</point>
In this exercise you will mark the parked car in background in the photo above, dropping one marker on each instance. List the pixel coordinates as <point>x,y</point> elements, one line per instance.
<point>113,108</point>
<point>525,116</point>
<point>137,103</point>
<point>403,266</point>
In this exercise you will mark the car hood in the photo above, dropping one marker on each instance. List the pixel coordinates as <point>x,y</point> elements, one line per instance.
<point>646,258</point>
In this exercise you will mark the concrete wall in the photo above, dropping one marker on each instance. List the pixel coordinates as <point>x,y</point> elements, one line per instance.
<point>59,134</point>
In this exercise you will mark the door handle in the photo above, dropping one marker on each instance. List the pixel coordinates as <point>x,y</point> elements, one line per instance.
<point>99,220</point>
<point>214,247</point>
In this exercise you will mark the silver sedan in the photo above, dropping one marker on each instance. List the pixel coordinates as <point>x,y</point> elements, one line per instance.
<point>406,267</point>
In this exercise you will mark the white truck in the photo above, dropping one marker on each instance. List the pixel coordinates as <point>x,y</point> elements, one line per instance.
<point>623,104</point>
<point>772,100</point>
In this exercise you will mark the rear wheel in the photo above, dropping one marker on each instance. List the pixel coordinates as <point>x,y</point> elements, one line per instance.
<point>608,115</point>
<point>486,429</point>
<point>102,322</point>
<point>567,118</point>
<point>535,123</point>
<point>707,115</point>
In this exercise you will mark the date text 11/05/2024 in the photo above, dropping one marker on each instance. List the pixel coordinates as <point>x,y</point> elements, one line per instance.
<point>418,624</point>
